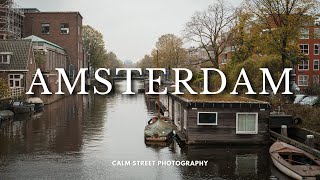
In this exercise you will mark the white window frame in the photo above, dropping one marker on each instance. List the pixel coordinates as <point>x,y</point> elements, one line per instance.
<point>15,79</point>
<point>317,21</point>
<point>8,54</point>
<point>307,80</point>
<point>177,121</point>
<point>224,58</point>
<point>62,29</point>
<point>247,132</point>
<point>316,60</point>
<point>316,33</point>
<point>302,63</point>
<point>316,82</point>
<point>207,124</point>
<point>185,119</point>
<point>304,33</point>
<point>314,49</point>
<point>305,49</point>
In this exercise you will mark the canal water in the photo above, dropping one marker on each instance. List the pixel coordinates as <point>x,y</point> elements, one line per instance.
<point>80,136</point>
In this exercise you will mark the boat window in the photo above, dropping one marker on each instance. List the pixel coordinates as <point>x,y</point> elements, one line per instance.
<point>207,118</point>
<point>16,103</point>
<point>247,123</point>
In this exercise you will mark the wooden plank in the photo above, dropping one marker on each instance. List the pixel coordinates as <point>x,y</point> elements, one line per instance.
<point>295,143</point>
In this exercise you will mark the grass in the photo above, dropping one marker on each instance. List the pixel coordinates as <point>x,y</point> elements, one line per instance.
<point>219,98</point>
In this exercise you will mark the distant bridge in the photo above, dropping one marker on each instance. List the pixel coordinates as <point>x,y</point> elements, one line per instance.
<point>133,78</point>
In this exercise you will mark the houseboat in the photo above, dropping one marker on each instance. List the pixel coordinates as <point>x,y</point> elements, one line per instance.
<point>215,119</point>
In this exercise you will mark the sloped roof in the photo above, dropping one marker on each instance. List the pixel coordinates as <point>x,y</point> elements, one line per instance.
<point>20,50</point>
<point>38,39</point>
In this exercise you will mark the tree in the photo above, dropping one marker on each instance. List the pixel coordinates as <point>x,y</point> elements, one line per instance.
<point>170,51</point>
<point>211,30</point>
<point>3,88</point>
<point>281,22</point>
<point>245,38</point>
<point>145,62</point>
<point>94,46</point>
<point>113,61</point>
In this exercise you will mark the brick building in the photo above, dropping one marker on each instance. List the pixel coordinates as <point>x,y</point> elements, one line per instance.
<point>48,56</point>
<point>308,71</point>
<point>61,28</point>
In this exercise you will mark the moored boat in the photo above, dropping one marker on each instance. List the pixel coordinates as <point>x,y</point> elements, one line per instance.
<point>20,107</point>
<point>6,115</point>
<point>294,162</point>
<point>158,130</point>
<point>38,103</point>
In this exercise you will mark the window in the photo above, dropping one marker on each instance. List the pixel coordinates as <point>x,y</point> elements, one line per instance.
<point>303,80</point>
<point>317,21</point>
<point>5,58</point>
<point>64,28</point>
<point>304,65</point>
<point>45,28</point>
<point>207,118</point>
<point>247,123</point>
<point>316,33</point>
<point>304,33</point>
<point>316,80</point>
<point>185,119</point>
<point>224,59</point>
<point>15,80</point>
<point>177,114</point>
<point>304,48</point>
<point>316,49</point>
<point>316,64</point>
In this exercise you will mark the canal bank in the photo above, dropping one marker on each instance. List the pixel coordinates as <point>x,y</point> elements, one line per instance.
<point>78,137</point>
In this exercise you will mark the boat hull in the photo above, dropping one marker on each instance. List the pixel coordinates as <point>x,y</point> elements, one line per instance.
<point>38,107</point>
<point>158,139</point>
<point>294,162</point>
<point>6,115</point>
<point>23,109</point>
<point>285,170</point>
<point>158,130</point>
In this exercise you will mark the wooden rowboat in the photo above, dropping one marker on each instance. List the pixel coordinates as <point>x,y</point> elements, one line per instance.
<point>294,162</point>
<point>158,130</point>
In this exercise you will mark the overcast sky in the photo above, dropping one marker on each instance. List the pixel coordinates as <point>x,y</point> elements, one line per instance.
<point>130,27</point>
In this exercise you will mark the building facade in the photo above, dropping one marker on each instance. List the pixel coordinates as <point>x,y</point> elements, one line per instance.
<point>61,28</point>
<point>308,71</point>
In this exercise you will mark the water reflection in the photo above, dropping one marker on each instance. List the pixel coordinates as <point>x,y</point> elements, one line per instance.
<point>78,138</point>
